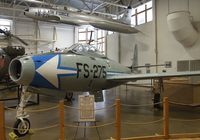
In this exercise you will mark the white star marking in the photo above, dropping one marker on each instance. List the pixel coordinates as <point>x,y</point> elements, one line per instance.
<point>50,71</point>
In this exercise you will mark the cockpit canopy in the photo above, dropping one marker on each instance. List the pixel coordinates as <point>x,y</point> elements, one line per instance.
<point>85,49</point>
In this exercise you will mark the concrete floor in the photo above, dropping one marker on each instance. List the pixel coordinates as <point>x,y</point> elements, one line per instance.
<point>132,96</point>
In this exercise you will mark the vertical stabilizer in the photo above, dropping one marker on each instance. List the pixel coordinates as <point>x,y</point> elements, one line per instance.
<point>135,59</point>
<point>126,18</point>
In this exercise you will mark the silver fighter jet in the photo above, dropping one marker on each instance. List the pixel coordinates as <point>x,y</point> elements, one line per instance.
<point>81,18</point>
<point>79,68</point>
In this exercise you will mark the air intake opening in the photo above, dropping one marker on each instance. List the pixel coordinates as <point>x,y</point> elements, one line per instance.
<point>15,70</point>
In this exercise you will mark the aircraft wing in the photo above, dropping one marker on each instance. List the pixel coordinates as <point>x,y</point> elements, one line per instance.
<point>114,26</point>
<point>134,77</point>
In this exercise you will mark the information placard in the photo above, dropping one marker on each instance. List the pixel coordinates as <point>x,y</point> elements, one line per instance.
<point>86,105</point>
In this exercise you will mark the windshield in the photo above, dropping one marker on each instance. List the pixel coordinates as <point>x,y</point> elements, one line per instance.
<point>84,48</point>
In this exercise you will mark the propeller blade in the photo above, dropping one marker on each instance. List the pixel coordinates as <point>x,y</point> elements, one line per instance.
<point>22,41</point>
<point>4,32</point>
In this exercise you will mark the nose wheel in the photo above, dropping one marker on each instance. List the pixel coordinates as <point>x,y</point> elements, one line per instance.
<point>21,127</point>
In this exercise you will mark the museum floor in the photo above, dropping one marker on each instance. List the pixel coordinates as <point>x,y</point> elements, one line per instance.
<point>134,114</point>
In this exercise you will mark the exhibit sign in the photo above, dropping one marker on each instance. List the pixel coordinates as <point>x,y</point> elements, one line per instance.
<point>86,106</point>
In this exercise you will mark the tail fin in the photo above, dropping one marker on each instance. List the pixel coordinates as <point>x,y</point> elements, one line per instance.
<point>126,18</point>
<point>134,66</point>
<point>135,58</point>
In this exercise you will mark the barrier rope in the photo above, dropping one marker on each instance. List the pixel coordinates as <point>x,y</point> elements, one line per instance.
<point>105,108</point>
<point>127,105</point>
<point>182,104</point>
<point>97,126</point>
<point>8,108</point>
<point>41,110</point>
<point>143,123</point>
<point>71,107</point>
<point>111,106</point>
<point>184,120</point>
<point>34,129</point>
<point>36,110</point>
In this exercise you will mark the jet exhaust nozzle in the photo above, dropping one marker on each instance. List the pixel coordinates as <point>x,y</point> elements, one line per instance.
<point>22,70</point>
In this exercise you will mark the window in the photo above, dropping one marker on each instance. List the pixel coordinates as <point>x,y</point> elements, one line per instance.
<point>142,14</point>
<point>141,18</point>
<point>5,24</point>
<point>101,41</point>
<point>93,36</point>
<point>85,35</point>
<point>110,32</point>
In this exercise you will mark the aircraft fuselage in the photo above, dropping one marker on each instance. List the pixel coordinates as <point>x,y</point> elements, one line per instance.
<point>65,71</point>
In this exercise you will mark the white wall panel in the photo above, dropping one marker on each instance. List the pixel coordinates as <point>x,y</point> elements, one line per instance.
<point>168,48</point>
<point>64,35</point>
<point>178,5</point>
<point>146,46</point>
<point>26,30</point>
<point>113,46</point>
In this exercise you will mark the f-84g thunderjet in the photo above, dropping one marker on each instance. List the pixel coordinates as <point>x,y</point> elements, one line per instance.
<point>79,68</point>
<point>81,18</point>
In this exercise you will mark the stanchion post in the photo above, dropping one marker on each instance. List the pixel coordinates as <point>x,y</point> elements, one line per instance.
<point>2,122</point>
<point>62,120</point>
<point>118,119</point>
<point>166,117</point>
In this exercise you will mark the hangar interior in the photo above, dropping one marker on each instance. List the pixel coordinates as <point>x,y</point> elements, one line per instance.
<point>168,33</point>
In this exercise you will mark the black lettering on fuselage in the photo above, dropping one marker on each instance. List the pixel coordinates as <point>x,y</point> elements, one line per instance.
<point>78,69</point>
<point>95,71</point>
<point>104,71</point>
<point>86,69</point>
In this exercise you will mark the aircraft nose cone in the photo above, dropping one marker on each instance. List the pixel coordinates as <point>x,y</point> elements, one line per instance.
<point>21,70</point>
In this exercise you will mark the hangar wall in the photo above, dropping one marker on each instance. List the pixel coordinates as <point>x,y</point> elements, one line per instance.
<point>145,42</point>
<point>46,40</point>
<point>167,44</point>
<point>112,49</point>
<point>168,48</point>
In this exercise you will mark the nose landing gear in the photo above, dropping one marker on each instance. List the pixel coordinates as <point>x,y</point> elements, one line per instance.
<point>22,124</point>
<point>21,127</point>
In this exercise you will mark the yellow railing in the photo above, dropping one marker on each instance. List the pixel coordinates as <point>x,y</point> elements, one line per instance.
<point>117,122</point>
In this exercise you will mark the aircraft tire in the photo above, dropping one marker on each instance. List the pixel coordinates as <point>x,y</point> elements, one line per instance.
<point>19,125</point>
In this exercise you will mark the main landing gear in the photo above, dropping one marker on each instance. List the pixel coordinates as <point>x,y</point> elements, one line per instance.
<point>157,93</point>
<point>22,124</point>
<point>69,96</point>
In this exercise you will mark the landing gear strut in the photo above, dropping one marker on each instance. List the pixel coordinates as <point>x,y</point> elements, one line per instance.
<point>69,96</point>
<point>22,125</point>
<point>157,95</point>
<point>156,100</point>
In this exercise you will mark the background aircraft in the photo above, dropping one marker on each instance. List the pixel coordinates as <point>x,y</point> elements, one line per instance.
<point>81,18</point>
<point>8,53</point>
<point>79,68</point>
